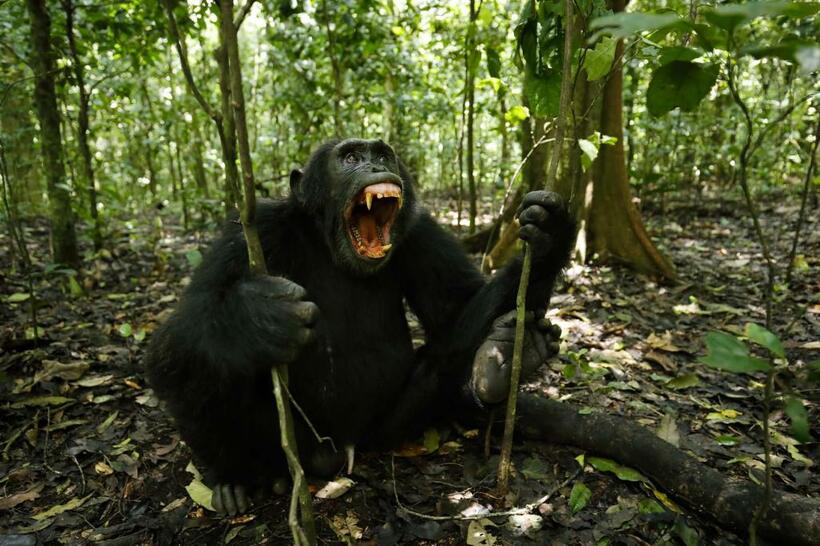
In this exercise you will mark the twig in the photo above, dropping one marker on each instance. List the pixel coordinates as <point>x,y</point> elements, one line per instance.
<point>801,218</point>
<point>505,464</point>
<point>243,12</point>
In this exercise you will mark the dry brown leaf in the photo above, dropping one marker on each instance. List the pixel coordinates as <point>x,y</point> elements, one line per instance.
<point>7,503</point>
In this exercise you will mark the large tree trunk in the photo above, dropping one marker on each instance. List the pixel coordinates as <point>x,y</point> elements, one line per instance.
<point>731,503</point>
<point>615,227</point>
<point>63,235</point>
<point>83,125</point>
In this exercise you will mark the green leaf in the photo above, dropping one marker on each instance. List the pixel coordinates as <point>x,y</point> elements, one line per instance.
<point>432,440</point>
<point>535,468</point>
<point>599,59</point>
<point>727,440</point>
<point>623,25</point>
<point>650,506</point>
<point>493,62</point>
<point>74,287</point>
<point>684,381</point>
<point>800,419</point>
<point>543,93</point>
<point>678,53</point>
<point>624,473</point>
<point>200,494</point>
<point>579,497</point>
<point>194,258</point>
<point>590,152</point>
<point>763,337</point>
<point>517,113</point>
<point>125,330</point>
<point>41,401</point>
<point>18,297</point>
<point>730,16</point>
<point>726,352</point>
<point>680,84</point>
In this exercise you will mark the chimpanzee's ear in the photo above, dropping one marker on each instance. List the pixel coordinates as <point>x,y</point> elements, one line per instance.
<point>295,178</point>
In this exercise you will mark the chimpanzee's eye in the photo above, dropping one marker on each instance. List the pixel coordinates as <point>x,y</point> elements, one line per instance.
<point>351,158</point>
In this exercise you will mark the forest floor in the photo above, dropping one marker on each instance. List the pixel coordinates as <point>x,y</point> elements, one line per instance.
<point>88,456</point>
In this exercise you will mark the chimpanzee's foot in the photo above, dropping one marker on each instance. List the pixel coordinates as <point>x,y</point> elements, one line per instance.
<point>492,363</point>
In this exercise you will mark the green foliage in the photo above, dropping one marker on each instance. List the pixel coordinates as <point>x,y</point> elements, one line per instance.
<point>599,59</point>
<point>726,352</point>
<point>579,497</point>
<point>680,84</point>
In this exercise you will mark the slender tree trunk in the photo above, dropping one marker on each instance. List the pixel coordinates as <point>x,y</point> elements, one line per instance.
<point>303,529</point>
<point>232,193</point>
<point>63,235</point>
<point>338,84</point>
<point>149,148</point>
<point>83,125</point>
<point>615,226</point>
<point>469,89</point>
<point>198,161</point>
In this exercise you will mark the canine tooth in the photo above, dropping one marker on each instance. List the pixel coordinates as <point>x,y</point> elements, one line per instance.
<point>369,199</point>
<point>385,248</point>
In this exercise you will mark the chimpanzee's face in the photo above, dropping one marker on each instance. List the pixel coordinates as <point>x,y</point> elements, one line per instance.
<point>363,198</point>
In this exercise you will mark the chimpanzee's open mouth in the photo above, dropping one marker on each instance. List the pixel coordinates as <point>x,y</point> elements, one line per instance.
<point>370,217</point>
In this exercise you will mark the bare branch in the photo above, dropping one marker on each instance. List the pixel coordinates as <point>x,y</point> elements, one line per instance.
<point>246,9</point>
<point>182,50</point>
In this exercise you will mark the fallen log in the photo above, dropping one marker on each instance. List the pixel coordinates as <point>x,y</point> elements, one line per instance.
<point>730,502</point>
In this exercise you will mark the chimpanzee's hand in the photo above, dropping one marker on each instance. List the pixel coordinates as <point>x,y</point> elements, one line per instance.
<point>544,221</point>
<point>280,321</point>
<point>493,360</point>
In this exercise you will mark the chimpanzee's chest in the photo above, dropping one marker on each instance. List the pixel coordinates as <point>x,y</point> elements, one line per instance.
<point>363,355</point>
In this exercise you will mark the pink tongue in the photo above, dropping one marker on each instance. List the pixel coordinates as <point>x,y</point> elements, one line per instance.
<point>383,187</point>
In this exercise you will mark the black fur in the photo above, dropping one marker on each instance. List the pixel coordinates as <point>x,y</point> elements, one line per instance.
<point>353,368</point>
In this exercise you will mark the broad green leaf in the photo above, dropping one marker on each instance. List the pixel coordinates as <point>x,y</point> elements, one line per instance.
<point>679,84</point>
<point>730,16</point>
<point>624,473</point>
<point>543,93</point>
<point>200,494</point>
<point>800,419</point>
<point>684,381</point>
<point>622,25</point>
<point>535,468</point>
<point>678,53</point>
<point>590,152</point>
<point>493,62</point>
<point>599,59</point>
<point>125,330</point>
<point>579,497</point>
<point>726,352</point>
<point>727,440</point>
<point>194,258</point>
<point>74,287</point>
<point>18,297</point>
<point>650,506</point>
<point>765,338</point>
<point>517,113</point>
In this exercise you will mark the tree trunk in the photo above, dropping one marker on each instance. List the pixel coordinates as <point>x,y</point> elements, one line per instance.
<point>615,227</point>
<point>63,236</point>
<point>469,90</point>
<point>731,503</point>
<point>83,125</point>
<point>338,84</point>
<point>198,161</point>
<point>232,193</point>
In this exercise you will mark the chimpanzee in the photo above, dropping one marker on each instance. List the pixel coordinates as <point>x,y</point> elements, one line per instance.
<point>346,250</point>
